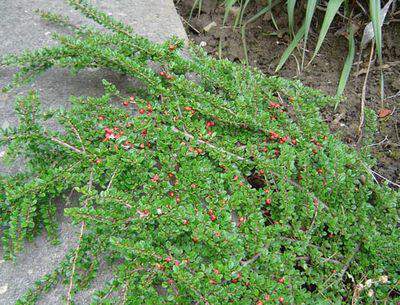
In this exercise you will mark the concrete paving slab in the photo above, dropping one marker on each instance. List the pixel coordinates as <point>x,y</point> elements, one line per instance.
<point>20,29</point>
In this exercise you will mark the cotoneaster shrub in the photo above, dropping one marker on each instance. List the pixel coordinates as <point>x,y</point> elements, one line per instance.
<point>212,184</point>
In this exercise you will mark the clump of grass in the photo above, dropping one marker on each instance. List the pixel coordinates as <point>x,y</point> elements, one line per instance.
<point>349,11</point>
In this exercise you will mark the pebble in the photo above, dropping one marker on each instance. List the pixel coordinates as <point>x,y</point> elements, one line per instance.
<point>3,289</point>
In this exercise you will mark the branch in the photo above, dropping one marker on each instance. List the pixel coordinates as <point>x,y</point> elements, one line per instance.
<point>83,225</point>
<point>66,145</point>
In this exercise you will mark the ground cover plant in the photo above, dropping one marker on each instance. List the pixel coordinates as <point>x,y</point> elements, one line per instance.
<point>211,184</point>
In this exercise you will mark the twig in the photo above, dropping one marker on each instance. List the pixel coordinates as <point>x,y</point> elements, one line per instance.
<point>363,94</point>
<point>373,173</point>
<point>379,143</point>
<point>392,96</point>
<point>125,292</point>
<point>191,26</point>
<point>314,216</point>
<point>325,259</point>
<point>78,136</point>
<point>349,261</point>
<point>66,145</point>
<point>251,260</point>
<point>83,225</point>
<point>111,180</point>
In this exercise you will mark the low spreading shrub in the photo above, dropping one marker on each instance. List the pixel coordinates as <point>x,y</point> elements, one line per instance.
<point>211,184</point>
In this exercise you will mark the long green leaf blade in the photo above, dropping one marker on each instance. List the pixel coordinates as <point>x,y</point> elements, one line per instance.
<point>331,11</point>
<point>375,8</point>
<point>228,6</point>
<point>348,63</point>
<point>307,22</point>
<point>290,9</point>
<point>291,47</point>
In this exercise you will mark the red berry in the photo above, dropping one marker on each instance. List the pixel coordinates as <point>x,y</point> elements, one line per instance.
<point>216,271</point>
<point>162,73</point>
<point>126,103</point>
<point>294,141</point>
<point>267,297</point>
<point>213,217</point>
<point>132,98</point>
<point>268,201</point>
<point>155,178</point>
<point>283,139</point>
<point>273,135</point>
<point>142,111</point>
<point>274,105</point>
<point>234,281</point>
<point>281,280</point>
<point>171,194</point>
<point>98,161</point>
<point>281,300</point>
<point>177,263</point>
<point>261,172</point>
<point>235,178</point>
<point>101,117</point>
<point>168,259</point>
<point>259,302</point>
<point>172,47</point>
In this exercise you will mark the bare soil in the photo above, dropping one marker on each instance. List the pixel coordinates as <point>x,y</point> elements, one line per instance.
<point>265,45</point>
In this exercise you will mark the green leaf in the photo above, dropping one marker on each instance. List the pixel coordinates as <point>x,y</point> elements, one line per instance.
<point>331,11</point>
<point>228,6</point>
<point>347,64</point>
<point>291,47</point>
<point>307,22</point>
<point>290,9</point>
<point>375,8</point>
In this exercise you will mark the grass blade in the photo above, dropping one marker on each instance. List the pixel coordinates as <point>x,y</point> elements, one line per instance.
<point>242,12</point>
<point>197,3</point>
<point>331,11</point>
<point>290,10</point>
<point>347,64</point>
<point>243,29</point>
<point>375,8</point>
<point>291,47</point>
<point>307,22</point>
<point>228,6</point>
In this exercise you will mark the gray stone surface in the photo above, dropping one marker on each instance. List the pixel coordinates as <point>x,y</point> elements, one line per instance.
<point>20,29</point>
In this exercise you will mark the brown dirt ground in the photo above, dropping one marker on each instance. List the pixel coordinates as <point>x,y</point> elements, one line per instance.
<point>265,49</point>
